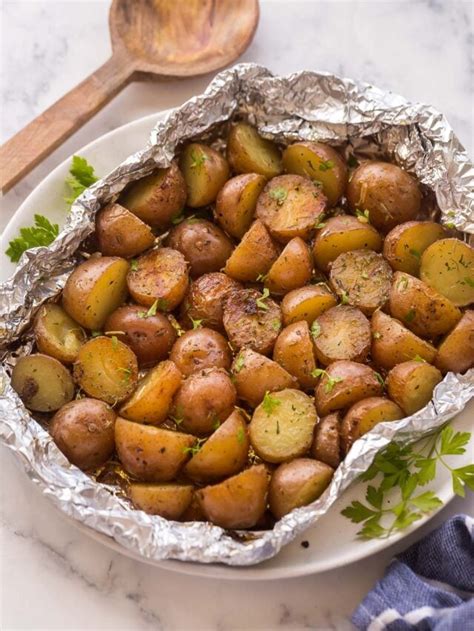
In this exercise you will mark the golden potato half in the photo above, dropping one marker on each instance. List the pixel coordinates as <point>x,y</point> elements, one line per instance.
<point>411,385</point>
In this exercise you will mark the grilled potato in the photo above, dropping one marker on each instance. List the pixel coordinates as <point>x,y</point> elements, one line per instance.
<point>56,334</point>
<point>404,245</point>
<point>307,303</point>
<point>411,385</point>
<point>294,350</point>
<point>364,415</point>
<point>199,349</point>
<point>236,203</point>
<point>205,172</point>
<point>341,332</point>
<point>121,233</point>
<point>253,256</point>
<point>204,301</point>
<point>326,445</point>
<point>167,500</point>
<point>291,270</point>
<point>456,351</point>
<point>248,152</point>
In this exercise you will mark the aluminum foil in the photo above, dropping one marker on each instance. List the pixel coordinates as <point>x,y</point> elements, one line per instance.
<point>305,105</point>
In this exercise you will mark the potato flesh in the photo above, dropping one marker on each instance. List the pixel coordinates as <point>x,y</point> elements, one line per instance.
<point>205,299</point>
<point>57,334</point>
<point>364,416</point>
<point>456,351</point>
<point>253,256</point>
<point>411,385</point>
<point>294,351</point>
<point>236,203</point>
<point>166,500</point>
<point>120,233</point>
<point>404,245</point>
<point>307,303</point>
<point>248,152</point>
<point>205,172</point>
<point>326,445</point>
<point>292,269</point>
<point>199,349</point>
<point>342,332</point>
<point>283,429</point>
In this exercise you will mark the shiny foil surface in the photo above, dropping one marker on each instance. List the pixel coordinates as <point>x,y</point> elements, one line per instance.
<point>359,118</point>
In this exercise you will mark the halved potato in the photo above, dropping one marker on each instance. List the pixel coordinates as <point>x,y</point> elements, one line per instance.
<point>366,414</point>
<point>236,203</point>
<point>343,384</point>
<point>95,289</point>
<point>393,344</point>
<point>456,351</point>
<point>326,445</point>
<point>404,245</point>
<point>343,233</point>
<point>423,310</point>
<point>447,265</point>
<point>42,383</point>
<point>294,350</point>
<point>151,454</point>
<point>292,269</point>
<point>307,303</point>
<point>248,152</point>
<point>282,426</point>
<point>152,399</point>
<point>223,454</point>
<point>253,256</point>
<point>239,501</point>
<point>199,349</point>
<point>106,369</point>
<point>160,276</point>
<point>361,278</point>
<point>204,300</point>
<point>167,500</point>
<point>411,384</point>
<point>297,483</point>
<point>57,334</point>
<point>341,332</point>
<point>121,233</point>
<point>254,375</point>
<point>205,172</point>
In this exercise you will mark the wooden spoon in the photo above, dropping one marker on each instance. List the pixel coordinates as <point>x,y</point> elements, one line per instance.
<point>159,38</point>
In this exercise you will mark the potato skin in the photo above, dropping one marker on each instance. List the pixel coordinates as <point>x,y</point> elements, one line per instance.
<point>56,334</point>
<point>294,351</point>
<point>389,194</point>
<point>166,500</point>
<point>292,269</point>
<point>239,501</point>
<point>326,445</point>
<point>157,198</point>
<point>236,203</point>
<point>160,275</point>
<point>199,349</point>
<point>204,400</point>
<point>306,303</point>
<point>342,332</point>
<point>205,298</point>
<point>248,152</point>
<point>411,384</point>
<point>205,172</point>
<point>151,454</point>
<point>254,255</point>
<point>423,310</point>
<point>456,351</point>
<point>121,233</point>
<point>404,244</point>
<point>84,431</point>
<point>204,246</point>
<point>297,483</point>
<point>364,415</point>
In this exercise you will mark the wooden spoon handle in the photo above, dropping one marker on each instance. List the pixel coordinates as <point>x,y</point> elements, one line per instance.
<point>39,138</point>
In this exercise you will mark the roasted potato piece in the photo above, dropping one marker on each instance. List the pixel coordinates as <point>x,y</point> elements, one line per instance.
<point>361,278</point>
<point>423,310</point>
<point>251,319</point>
<point>194,511</point>
<point>321,163</point>
<point>290,206</point>
<point>205,172</point>
<point>223,454</point>
<point>106,369</point>
<point>121,233</point>
<point>152,400</point>
<point>149,336</point>
<point>56,334</point>
<point>236,203</point>
<point>307,303</point>
<point>167,500</point>
<point>248,152</point>
<point>84,431</point>
<point>343,384</point>
<point>404,245</point>
<point>393,344</point>
<point>239,501</point>
<point>411,385</point>
<point>253,256</point>
<point>326,445</point>
<point>204,300</point>
<point>341,332</point>
<point>447,265</point>
<point>95,289</point>
<point>160,276</point>
<point>42,383</point>
<point>292,269</point>
<point>204,400</point>
<point>294,350</point>
<point>456,351</point>
<point>199,349</point>
<point>157,198</point>
<point>364,415</point>
<point>255,374</point>
<point>203,245</point>
<point>389,194</point>
<point>297,483</point>
<point>343,233</point>
<point>282,426</point>
<point>151,454</point>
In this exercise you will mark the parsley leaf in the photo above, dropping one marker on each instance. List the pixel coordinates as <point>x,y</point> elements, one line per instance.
<point>363,215</point>
<point>42,233</point>
<point>270,403</point>
<point>326,165</point>
<point>238,363</point>
<point>81,177</point>
<point>315,329</point>
<point>279,194</point>
<point>261,301</point>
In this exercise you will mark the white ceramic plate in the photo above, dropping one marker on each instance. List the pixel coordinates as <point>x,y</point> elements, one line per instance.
<point>332,541</point>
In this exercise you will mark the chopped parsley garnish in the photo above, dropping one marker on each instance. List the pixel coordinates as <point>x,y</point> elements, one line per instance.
<point>410,316</point>
<point>196,323</point>
<point>160,304</point>
<point>279,194</point>
<point>261,301</point>
<point>418,358</point>
<point>331,381</point>
<point>134,265</point>
<point>326,165</point>
<point>315,329</point>
<point>269,403</point>
<point>241,435</point>
<point>238,363</point>
<point>197,160</point>
<point>363,215</point>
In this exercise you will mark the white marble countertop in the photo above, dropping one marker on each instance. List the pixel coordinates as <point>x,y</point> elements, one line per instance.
<point>52,575</point>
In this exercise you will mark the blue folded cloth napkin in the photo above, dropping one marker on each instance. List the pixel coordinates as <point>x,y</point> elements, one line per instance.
<point>429,586</point>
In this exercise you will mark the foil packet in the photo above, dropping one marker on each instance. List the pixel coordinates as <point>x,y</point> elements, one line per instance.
<point>360,118</point>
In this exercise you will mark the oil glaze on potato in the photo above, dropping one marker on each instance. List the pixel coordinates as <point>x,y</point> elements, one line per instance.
<point>307,303</point>
<point>84,431</point>
<point>205,172</point>
<point>294,350</point>
<point>205,298</point>
<point>404,245</point>
<point>253,256</point>
<point>292,269</point>
<point>56,334</point>
<point>342,332</point>
<point>121,233</point>
<point>364,415</point>
<point>95,289</point>
<point>411,385</point>
<point>166,500</point>
<point>236,203</point>
<point>456,351</point>
<point>326,445</point>
<point>199,349</point>
<point>248,152</point>
<point>42,382</point>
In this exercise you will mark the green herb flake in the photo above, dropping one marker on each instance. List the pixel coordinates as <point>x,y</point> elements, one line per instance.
<point>380,379</point>
<point>96,333</point>
<point>410,316</point>
<point>331,382</point>
<point>344,298</point>
<point>261,278</point>
<point>196,448</point>
<point>279,194</point>
<point>315,329</point>
<point>261,301</point>
<point>114,342</point>
<point>418,358</point>
<point>276,324</point>
<point>469,281</point>
<point>197,324</point>
<point>326,165</point>
<point>376,335</point>
<point>363,215</point>
<point>269,403</point>
<point>320,225</point>
<point>134,265</point>
<point>197,160</point>
<point>238,363</point>
<point>241,435</point>
<point>415,253</point>
<point>352,161</point>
